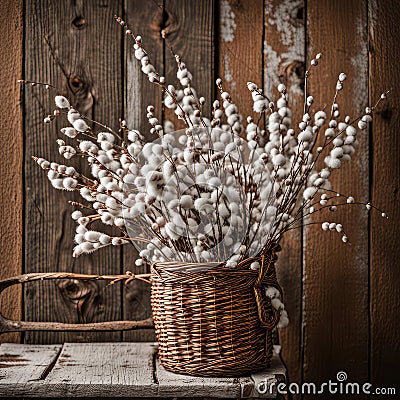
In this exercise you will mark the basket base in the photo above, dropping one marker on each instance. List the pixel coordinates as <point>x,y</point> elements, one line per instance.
<point>240,363</point>
<point>214,372</point>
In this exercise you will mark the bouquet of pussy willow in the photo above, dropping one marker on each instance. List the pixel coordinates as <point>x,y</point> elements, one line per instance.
<point>222,189</point>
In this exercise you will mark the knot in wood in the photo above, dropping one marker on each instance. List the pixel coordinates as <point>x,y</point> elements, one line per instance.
<point>79,22</point>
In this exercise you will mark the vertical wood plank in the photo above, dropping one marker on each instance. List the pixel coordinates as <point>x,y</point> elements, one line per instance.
<point>240,44</point>
<point>87,41</point>
<point>11,148</point>
<point>145,19</point>
<point>189,30</point>
<point>284,57</point>
<point>336,275</point>
<point>385,252</point>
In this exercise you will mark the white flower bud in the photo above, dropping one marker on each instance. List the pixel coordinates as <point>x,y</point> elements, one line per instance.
<point>334,163</point>
<point>58,184</point>
<point>279,160</point>
<point>309,193</point>
<point>325,174</point>
<point>351,131</point>
<point>362,125</point>
<point>366,118</point>
<point>339,227</point>
<point>251,86</point>
<point>72,116</point>
<point>186,202</point>
<point>70,183</point>
<point>305,136</point>
<point>281,88</point>
<point>337,152</point>
<point>337,142</point>
<point>76,215</point>
<point>80,125</point>
<point>61,102</point>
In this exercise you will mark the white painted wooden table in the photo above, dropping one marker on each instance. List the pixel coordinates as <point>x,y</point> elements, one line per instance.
<point>109,370</point>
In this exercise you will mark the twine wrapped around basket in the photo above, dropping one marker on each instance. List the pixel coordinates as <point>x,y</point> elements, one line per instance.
<point>214,321</point>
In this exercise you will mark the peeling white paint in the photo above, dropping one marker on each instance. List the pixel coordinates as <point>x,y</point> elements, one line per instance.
<point>359,83</point>
<point>272,62</point>
<point>228,24</point>
<point>275,63</point>
<point>282,17</point>
<point>228,73</point>
<point>360,63</point>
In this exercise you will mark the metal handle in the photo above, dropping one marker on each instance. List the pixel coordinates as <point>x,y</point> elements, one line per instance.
<point>8,325</point>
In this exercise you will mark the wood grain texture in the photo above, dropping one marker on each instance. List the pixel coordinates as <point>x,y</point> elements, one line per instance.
<point>11,148</point>
<point>272,376</point>
<point>86,41</point>
<point>146,20</point>
<point>336,275</point>
<point>384,32</point>
<point>102,367</point>
<point>240,46</point>
<point>20,364</point>
<point>116,370</point>
<point>189,31</point>
<point>341,323</point>
<point>170,384</point>
<point>284,58</point>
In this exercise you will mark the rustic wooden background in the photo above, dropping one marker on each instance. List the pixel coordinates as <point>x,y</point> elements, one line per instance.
<point>343,300</point>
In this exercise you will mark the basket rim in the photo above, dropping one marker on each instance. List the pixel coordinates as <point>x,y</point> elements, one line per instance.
<point>274,247</point>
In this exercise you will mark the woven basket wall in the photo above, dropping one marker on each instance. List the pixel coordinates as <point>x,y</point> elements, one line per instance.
<point>215,321</point>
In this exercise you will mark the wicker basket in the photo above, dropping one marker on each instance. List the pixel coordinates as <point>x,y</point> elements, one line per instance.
<point>210,320</point>
<point>214,321</point>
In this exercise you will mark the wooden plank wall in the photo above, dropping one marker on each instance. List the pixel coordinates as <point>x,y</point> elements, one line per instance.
<point>92,74</point>
<point>11,154</point>
<point>335,297</point>
<point>341,299</point>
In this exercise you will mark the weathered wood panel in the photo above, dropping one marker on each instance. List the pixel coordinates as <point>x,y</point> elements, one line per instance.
<point>86,41</point>
<point>240,49</point>
<point>384,34</point>
<point>189,31</point>
<point>284,33</point>
<point>117,370</point>
<point>145,19</point>
<point>11,148</point>
<point>335,313</point>
<point>170,384</point>
<point>20,364</point>
<point>105,369</point>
